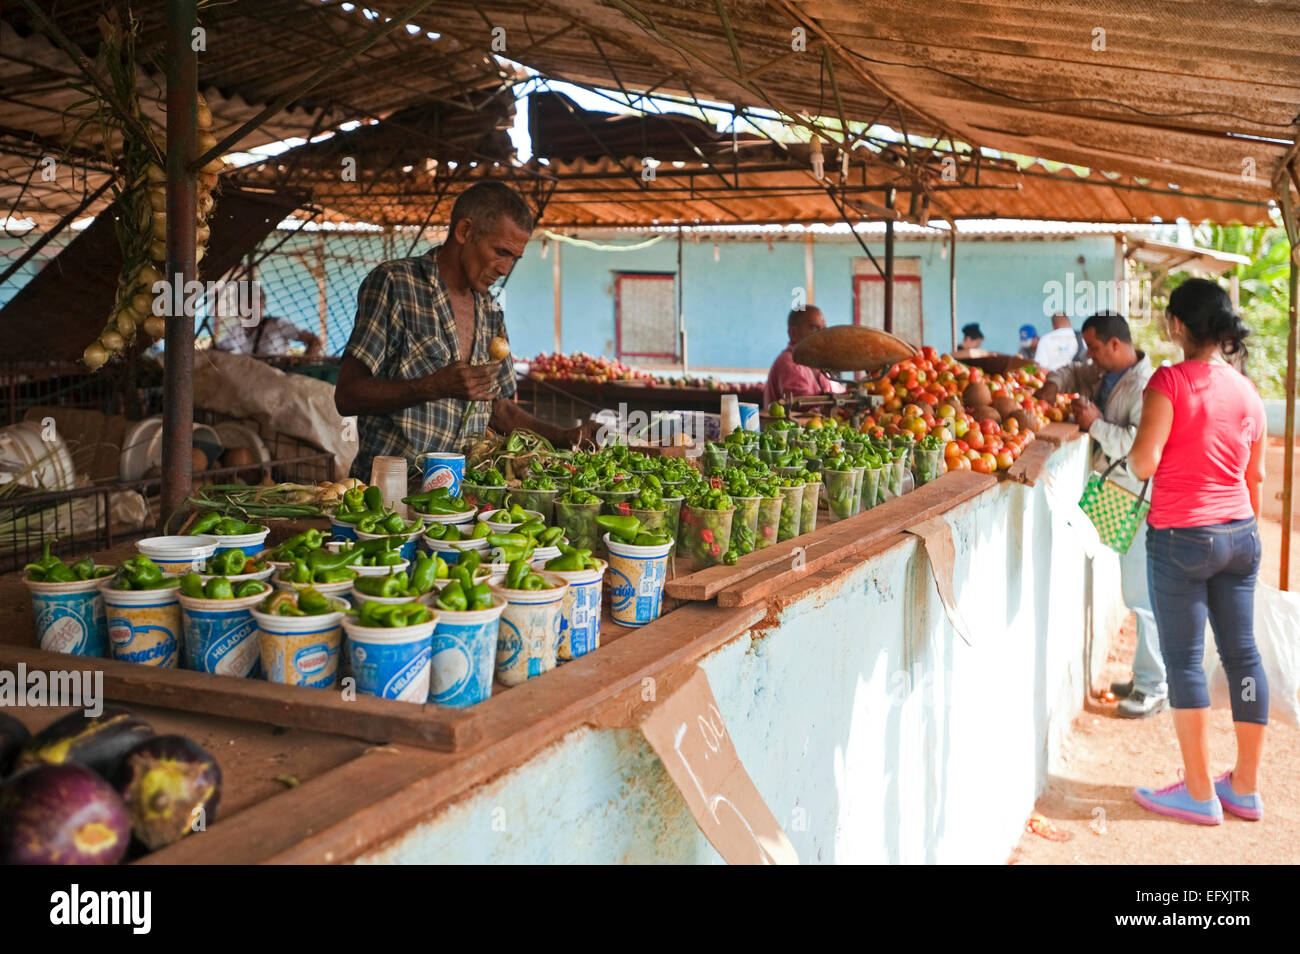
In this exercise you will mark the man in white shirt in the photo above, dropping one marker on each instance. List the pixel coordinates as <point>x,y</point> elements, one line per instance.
<point>1058,347</point>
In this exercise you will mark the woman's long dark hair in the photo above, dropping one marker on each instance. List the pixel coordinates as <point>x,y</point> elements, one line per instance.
<point>1206,311</point>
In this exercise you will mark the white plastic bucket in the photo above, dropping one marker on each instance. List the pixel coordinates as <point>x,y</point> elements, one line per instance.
<point>70,616</point>
<point>221,635</point>
<point>529,637</point>
<point>301,650</point>
<point>464,655</point>
<point>580,611</point>
<point>178,554</point>
<point>251,543</point>
<point>636,583</point>
<point>144,626</point>
<point>391,662</point>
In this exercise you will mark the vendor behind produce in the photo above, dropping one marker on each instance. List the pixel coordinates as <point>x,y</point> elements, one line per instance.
<point>787,377</point>
<point>418,355</point>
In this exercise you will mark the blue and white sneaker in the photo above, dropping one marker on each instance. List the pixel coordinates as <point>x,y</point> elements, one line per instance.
<point>1176,802</point>
<point>1250,806</point>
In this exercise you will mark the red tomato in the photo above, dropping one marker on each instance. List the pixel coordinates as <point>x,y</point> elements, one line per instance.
<point>1004,459</point>
<point>990,427</point>
<point>981,466</point>
<point>989,461</point>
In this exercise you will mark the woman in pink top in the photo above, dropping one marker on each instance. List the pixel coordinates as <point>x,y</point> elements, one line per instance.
<point>1201,441</point>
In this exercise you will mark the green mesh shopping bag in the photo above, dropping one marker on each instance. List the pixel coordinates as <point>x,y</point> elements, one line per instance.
<point>1115,511</point>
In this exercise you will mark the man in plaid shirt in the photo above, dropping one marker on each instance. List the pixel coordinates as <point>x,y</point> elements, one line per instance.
<point>418,353</point>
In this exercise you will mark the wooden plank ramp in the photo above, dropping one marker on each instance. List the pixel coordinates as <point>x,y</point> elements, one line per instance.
<point>364,717</point>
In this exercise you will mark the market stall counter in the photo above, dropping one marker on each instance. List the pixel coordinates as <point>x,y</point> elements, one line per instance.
<point>835,692</point>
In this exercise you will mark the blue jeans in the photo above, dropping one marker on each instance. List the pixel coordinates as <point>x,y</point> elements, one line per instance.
<point>1209,572</point>
<point>1148,664</point>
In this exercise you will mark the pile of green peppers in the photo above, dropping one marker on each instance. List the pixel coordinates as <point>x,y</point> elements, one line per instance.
<point>359,500</point>
<point>140,573</point>
<point>438,501</point>
<point>537,482</point>
<point>50,569</point>
<point>520,576</point>
<point>628,530</point>
<point>710,496</point>
<point>426,571</point>
<point>385,522</point>
<point>231,563</point>
<point>452,532</point>
<point>572,559</point>
<point>576,495</point>
<point>215,524</point>
<point>308,602</point>
<point>219,588</point>
<point>392,615</point>
<point>321,566</point>
<point>299,546</point>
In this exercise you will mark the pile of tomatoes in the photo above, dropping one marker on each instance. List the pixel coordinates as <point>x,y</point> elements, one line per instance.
<point>923,395</point>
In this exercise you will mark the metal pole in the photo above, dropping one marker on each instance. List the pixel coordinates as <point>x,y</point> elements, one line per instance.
<point>952,279</point>
<point>178,368</point>
<point>1291,218</point>
<point>809,274</point>
<point>681,314</point>
<point>556,281</point>
<point>889,264</point>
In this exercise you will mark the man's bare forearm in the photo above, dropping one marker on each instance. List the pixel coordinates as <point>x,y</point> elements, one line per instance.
<point>508,416</point>
<point>358,392</point>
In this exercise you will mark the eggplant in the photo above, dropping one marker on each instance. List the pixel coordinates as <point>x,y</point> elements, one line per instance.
<point>97,742</point>
<point>13,736</point>
<point>62,815</point>
<point>168,783</point>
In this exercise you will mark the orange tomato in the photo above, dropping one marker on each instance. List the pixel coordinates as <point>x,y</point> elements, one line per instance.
<point>989,461</point>
<point>1004,459</point>
<point>981,466</point>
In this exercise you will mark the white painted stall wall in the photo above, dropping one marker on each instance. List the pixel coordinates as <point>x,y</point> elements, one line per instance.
<point>873,732</point>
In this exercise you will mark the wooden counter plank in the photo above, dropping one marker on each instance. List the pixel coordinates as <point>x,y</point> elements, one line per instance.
<point>373,799</point>
<point>855,536</point>
<point>365,717</point>
<point>1058,432</point>
<point>1029,465</point>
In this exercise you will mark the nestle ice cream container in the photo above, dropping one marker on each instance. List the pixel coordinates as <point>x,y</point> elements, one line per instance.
<point>301,650</point>
<point>636,581</point>
<point>342,531</point>
<point>391,662</point>
<point>251,543</point>
<point>221,635</point>
<point>580,609</point>
<point>748,416</point>
<point>144,626</point>
<point>464,655</point>
<point>442,470</point>
<point>529,637</point>
<point>179,554</point>
<point>70,617</point>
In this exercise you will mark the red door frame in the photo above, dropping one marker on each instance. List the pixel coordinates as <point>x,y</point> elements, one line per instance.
<point>618,316</point>
<point>898,279</point>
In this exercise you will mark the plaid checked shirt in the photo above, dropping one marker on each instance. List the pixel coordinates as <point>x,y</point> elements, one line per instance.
<point>405,329</point>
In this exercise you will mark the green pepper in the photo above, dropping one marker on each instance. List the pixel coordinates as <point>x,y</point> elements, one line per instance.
<point>550,536</point>
<point>462,575</point>
<point>437,531</point>
<point>436,502</point>
<point>46,561</point>
<point>452,598</point>
<point>515,574</point>
<point>619,527</point>
<point>508,540</point>
<point>313,603</point>
<point>387,557</point>
<point>83,569</point>
<point>336,575</point>
<point>394,584</point>
<point>140,571</point>
<point>534,582</point>
<point>424,573</point>
<point>480,597</point>
<point>369,585</point>
<point>410,614</point>
<point>228,526</point>
<point>570,561</point>
<point>162,583</point>
<point>649,539</point>
<point>373,498</point>
<point>394,523</point>
<point>297,572</point>
<point>192,585</point>
<point>321,560</point>
<point>206,522</point>
<point>218,588</point>
<point>248,588</point>
<point>354,500</point>
<point>452,532</point>
<point>531,528</point>
<point>731,557</point>
<point>60,573</point>
<point>369,523</point>
<point>481,530</point>
<point>470,560</point>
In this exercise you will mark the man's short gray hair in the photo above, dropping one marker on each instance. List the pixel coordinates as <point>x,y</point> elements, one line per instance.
<point>485,203</point>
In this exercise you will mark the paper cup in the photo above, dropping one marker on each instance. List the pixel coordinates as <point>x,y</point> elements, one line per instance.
<point>70,617</point>
<point>672,518</point>
<point>301,650</point>
<point>529,637</point>
<point>746,513</point>
<point>538,501</point>
<point>144,626</point>
<point>856,493</point>
<point>636,581</point>
<point>808,510</point>
<point>615,503</point>
<point>839,486</point>
<point>705,534</point>
<point>391,662</point>
<point>178,554</point>
<point>791,512</point>
<point>480,495</point>
<point>580,610</point>
<point>251,543</point>
<point>221,635</point>
<point>464,655</point>
<point>871,478</point>
<point>651,519</point>
<point>342,531</point>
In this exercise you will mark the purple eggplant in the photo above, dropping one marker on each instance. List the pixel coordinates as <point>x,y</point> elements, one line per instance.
<point>13,736</point>
<point>97,742</point>
<point>171,787</point>
<point>62,815</point>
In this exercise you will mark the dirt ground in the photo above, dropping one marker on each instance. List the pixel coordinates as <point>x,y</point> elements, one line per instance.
<point>1105,757</point>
